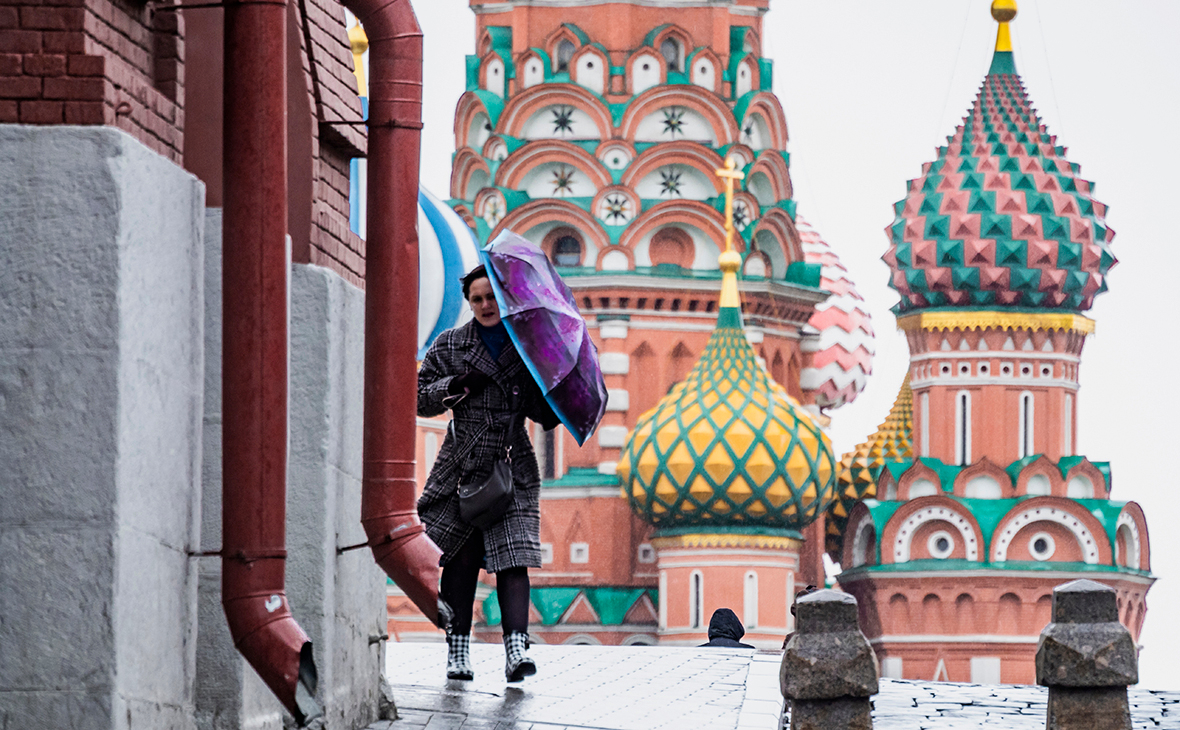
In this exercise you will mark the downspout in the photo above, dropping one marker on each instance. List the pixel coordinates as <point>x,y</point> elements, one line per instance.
<point>255,267</point>
<point>388,510</point>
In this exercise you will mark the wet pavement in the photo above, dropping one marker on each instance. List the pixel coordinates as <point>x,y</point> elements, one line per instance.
<point>593,687</point>
<point>653,688</point>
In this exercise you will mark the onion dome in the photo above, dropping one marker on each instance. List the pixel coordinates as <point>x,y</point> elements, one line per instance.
<point>727,447</point>
<point>1001,218</point>
<point>856,477</point>
<point>843,353</point>
<point>446,251</point>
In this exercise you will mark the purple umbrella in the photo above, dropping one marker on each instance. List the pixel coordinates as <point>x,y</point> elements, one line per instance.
<point>549,332</point>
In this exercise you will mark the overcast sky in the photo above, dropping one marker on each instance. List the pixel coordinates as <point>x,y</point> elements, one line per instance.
<point>871,88</point>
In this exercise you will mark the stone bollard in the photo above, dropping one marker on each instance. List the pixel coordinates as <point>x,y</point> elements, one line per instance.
<point>1087,658</point>
<point>829,670</point>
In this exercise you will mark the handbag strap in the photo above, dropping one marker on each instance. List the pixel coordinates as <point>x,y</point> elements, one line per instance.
<point>511,438</point>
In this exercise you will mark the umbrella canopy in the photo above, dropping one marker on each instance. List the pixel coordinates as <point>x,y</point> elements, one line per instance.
<point>539,312</point>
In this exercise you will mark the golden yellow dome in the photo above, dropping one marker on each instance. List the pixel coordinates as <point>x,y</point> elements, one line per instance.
<point>856,478</point>
<point>727,447</point>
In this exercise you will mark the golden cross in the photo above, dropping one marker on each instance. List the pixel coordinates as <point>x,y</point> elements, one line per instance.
<point>731,174</point>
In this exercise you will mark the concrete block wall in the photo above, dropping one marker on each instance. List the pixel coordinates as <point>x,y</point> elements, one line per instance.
<point>101,362</point>
<point>339,599</point>
<point>229,693</point>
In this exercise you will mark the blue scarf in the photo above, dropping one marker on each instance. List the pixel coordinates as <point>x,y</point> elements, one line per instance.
<point>494,338</point>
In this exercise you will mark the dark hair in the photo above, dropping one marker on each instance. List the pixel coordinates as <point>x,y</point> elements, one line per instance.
<point>479,272</point>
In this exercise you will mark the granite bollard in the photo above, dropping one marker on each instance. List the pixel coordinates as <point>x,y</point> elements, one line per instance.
<point>829,670</point>
<point>1087,659</point>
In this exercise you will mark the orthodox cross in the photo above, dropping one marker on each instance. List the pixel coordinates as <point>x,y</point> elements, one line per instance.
<point>730,174</point>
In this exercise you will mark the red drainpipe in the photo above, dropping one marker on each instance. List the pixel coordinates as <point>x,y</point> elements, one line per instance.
<point>255,266</point>
<point>388,510</point>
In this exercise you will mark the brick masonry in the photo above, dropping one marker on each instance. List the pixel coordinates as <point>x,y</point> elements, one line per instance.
<point>332,96</point>
<point>121,63</point>
<point>94,62</point>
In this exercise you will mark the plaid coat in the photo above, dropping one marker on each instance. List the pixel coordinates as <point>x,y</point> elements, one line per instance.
<point>475,441</point>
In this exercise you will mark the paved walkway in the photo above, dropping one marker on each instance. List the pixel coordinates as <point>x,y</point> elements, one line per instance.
<point>663,688</point>
<point>598,687</point>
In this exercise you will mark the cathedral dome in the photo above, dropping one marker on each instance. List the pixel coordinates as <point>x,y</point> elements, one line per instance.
<point>856,476</point>
<point>1001,218</point>
<point>447,250</point>
<point>843,353</point>
<point>727,447</point>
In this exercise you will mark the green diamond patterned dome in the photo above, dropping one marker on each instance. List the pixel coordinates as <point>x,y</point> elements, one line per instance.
<point>727,447</point>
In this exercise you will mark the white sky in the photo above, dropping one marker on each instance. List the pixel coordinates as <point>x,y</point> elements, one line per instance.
<point>870,89</point>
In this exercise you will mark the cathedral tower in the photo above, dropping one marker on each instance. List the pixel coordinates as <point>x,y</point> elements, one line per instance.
<point>594,129</point>
<point>997,251</point>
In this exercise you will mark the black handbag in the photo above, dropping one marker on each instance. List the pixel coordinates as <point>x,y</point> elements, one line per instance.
<point>483,503</point>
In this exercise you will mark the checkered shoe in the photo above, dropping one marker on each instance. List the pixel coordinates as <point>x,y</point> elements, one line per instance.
<point>518,665</point>
<point>459,656</point>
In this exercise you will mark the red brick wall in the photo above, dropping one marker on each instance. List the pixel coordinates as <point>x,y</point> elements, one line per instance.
<point>327,58</point>
<point>94,62</point>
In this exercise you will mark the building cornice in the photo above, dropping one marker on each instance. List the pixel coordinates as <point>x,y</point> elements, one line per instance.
<point>504,7</point>
<point>726,540</point>
<point>970,319</point>
<point>861,574</point>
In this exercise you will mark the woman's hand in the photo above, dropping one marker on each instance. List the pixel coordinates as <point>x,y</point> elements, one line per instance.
<point>472,383</point>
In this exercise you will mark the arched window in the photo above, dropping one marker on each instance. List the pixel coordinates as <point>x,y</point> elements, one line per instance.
<point>671,246</point>
<point>750,600</point>
<point>670,50</point>
<point>1067,447</point>
<point>696,600</point>
<point>1025,432</point>
<point>547,453</point>
<point>567,251</point>
<point>565,52</point>
<point>925,427</point>
<point>963,428</point>
<point>494,77</point>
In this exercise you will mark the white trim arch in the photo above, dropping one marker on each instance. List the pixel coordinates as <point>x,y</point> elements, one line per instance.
<point>662,609</point>
<point>859,547</point>
<point>750,599</point>
<point>936,513</point>
<point>640,640</point>
<point>1126,520</point>
<point>582,640</point>
<point>1067,520</point>
<point>696,600</point>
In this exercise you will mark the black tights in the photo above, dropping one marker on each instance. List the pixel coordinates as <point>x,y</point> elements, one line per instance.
<point>458,589</point>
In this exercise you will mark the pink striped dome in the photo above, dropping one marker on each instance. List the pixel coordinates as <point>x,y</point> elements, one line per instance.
<point>842,356</point>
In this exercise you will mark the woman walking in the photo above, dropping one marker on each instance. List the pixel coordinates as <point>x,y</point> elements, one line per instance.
<point>475,371</point>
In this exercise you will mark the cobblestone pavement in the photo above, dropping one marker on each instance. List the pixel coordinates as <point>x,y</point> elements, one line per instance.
<point>915,705</point>
<point>654,688</point>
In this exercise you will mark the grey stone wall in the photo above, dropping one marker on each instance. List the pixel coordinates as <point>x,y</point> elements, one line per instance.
<point>101,362</point>
<point>229,694</point>
<point>338,599</point>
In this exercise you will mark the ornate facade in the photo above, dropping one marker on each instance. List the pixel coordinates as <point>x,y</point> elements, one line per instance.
<point>997,251</point>
<point>594,130</point>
